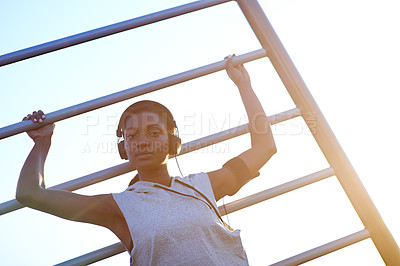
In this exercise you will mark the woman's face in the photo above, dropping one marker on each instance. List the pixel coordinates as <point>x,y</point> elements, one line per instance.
<point>146,140</point>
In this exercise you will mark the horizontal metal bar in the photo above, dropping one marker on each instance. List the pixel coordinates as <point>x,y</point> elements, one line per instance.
<point>120,169</point>
<point>106,31</point>
<point>96,255</point>
<point>234,132</point>
<point>275,191</point>
<point>324,249</point>
<point>10,206</point>
<point>128,93</point>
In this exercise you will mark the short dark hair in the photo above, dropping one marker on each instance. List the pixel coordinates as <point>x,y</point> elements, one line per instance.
<point>149,106</point>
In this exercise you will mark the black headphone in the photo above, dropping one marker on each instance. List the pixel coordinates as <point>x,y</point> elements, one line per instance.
<point>174,140</point>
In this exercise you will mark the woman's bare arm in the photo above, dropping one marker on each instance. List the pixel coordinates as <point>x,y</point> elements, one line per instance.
<point>224,181</point>
<point>31,191</point>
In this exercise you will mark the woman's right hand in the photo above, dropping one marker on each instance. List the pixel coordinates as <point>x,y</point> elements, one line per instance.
<point>238,74</point>
<point>44,131</point>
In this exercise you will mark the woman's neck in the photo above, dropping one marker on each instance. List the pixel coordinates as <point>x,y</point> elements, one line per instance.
<point>158,175</point>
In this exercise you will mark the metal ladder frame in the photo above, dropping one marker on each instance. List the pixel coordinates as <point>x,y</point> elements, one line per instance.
<point>306,107</point>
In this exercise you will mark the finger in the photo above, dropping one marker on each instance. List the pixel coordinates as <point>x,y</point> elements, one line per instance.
<point>233,65</point>
<point>27,117</point>
<point>229,64</point>
<point>41,114</point>
<point>37,117</point>
<point>33,117</point>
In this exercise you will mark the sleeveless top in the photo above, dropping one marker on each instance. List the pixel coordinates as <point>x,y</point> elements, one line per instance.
<point>176,226</point>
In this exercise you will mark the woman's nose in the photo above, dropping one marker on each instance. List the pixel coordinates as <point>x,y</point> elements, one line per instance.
<point>142,140</point>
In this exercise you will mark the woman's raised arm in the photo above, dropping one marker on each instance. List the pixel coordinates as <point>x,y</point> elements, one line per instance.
<point>238,171</point>
<point>31,192</point>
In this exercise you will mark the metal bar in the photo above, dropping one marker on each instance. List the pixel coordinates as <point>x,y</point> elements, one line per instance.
<point>120,169</point>
<point>322,133</point>
<point>275,191</point>
<point>128,93</point>
<point>234,132</point>
<point>96,255</point>
<point>105,31</point>
<point>324,249</point>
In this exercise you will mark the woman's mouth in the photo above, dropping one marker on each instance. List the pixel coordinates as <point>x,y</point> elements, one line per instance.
<point>143,155</point>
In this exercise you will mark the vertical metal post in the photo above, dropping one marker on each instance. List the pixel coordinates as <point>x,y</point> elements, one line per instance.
<point>322,133</point>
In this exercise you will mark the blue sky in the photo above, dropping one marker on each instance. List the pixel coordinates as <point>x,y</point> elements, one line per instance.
<point>347,53</point>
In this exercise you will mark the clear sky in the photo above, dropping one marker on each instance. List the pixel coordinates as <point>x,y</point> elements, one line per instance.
<point>346,51</point>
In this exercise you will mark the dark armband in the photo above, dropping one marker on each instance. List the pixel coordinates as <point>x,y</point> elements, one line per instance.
<point>239,168</point>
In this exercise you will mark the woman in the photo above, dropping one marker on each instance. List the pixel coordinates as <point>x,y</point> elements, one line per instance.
<point>161,220</point>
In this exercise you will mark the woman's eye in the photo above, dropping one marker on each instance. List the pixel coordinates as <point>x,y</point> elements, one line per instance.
<point>132,136</point>
<point>154,134</point>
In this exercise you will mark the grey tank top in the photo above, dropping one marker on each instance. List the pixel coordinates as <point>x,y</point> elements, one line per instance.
<point>168,227</point>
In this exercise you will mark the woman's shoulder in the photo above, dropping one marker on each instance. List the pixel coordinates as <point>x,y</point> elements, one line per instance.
<point>200,178</point>
<point>201,182</point>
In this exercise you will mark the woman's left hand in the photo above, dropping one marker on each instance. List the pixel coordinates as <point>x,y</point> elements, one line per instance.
<point>238,74</point>
<point>41,132</point>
